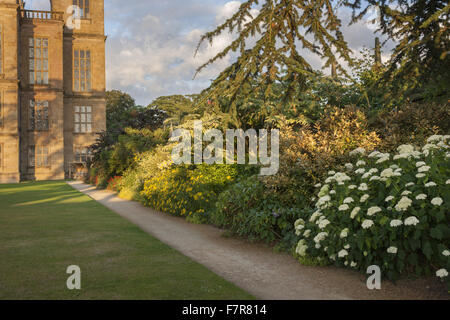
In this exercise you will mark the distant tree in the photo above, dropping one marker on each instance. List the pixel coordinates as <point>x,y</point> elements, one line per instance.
<point>122,112</point>
<point>118,107</point>
<point>130,129</point>
<point>177,107</point>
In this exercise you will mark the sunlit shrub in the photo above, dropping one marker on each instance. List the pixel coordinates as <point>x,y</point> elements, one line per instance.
<point>188,191</point>
<point>387,210</point>
<point>411,123</point>
<point>146,166</point>
<point>307,154</point>
<point>113,183</point>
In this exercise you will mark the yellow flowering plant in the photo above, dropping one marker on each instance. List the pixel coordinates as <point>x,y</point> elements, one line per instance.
<point>189,191</point>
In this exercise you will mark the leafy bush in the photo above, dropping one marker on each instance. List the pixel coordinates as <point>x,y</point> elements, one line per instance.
<point>188,191</point>
<point>247,210</point>
<point>411,123</point>
<point>307,154</point>
<point>146,166</point>
<point>118,158</point>
<point>390,211</point>
<point>113,183</point>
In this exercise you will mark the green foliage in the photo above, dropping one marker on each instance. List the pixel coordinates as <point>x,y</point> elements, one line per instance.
<point>118,108</point>
<point>410,123</point>
<point>118,158</point>
<point>146,166</point>
<point>367,90</point>
<point>307,154</point>
<point>390,211</point>
<point>131,129</point>
<point>420,62</point>
<point>277,28</point>
<point>188,191</point>
<point>247,210</point>
<point>176,107</point>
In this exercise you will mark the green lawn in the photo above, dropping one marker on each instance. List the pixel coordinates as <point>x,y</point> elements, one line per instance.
<point>47,226</point>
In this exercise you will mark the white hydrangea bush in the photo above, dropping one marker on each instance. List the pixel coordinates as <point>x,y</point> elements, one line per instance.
<point>390,210</point>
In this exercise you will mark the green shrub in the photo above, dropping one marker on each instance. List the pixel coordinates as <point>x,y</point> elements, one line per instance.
<point>189,191</point>
<point>411,123</point>
<point>390,211</point>
<point>247,210</point>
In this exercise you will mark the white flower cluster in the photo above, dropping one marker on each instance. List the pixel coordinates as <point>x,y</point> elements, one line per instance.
<point>354,212</point>
<point>367,224</point>
<point>406,151</point>
<point>320,237</point>
<point>339,177</point>
<point>343,253</point>
<point>373,210</point>
<point>301,248</point>
<point>299,226</point>
<point>363,187</point>
<point>323,202</point>
<point>403,204</point>
<point>358,151</point>
<point>396,223</point>
<point>392,250</point>
<point>349,200</point>
<point>442,273</point>
<point>315,215</point>
<point>403,180</point>
<point>437,201</point>
<point>411,221</point>
<point>344,233</point>
<point>421,196</point>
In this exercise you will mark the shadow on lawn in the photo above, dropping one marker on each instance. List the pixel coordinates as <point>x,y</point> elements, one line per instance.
<point>31,194</point>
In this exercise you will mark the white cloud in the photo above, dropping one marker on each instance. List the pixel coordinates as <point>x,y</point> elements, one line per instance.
<point>155,56</point>
<point>225,12</point>
<point>151,44</point>
<point>38,5</point>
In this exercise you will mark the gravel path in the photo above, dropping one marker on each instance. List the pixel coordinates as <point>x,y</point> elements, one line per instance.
<point>255,267</point>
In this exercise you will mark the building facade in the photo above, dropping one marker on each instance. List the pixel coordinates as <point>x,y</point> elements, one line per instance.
<point>52,88</point>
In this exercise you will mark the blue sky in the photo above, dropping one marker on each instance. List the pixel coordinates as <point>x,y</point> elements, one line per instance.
<point>151,44</point>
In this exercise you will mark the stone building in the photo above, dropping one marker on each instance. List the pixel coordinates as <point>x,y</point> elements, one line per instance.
<point>52,87</point>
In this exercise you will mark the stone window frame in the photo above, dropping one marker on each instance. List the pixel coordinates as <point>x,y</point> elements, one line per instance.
<point>82,154</point>
<point>82,65</point>
<point>42,61</point>
<point>83,5</point>
<point>36,156</point>
<point>81,116</point>
<point>33,105</point>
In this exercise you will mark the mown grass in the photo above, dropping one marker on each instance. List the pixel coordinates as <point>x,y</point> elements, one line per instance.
<point>47,226</point>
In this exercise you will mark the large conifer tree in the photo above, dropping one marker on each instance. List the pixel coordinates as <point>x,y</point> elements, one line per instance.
<point>269,48</point>
<point>277,31</point>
